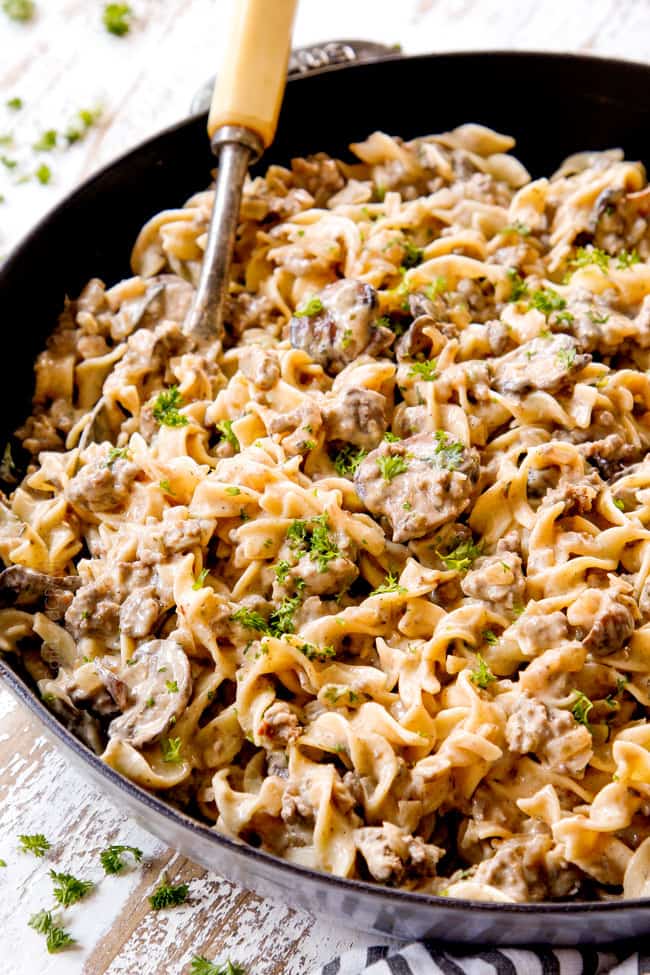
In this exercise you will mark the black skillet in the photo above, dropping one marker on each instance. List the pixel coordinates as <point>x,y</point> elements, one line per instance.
<point>554,105</point>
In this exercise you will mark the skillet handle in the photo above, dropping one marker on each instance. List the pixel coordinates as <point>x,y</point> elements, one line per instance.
<point>250,86</point>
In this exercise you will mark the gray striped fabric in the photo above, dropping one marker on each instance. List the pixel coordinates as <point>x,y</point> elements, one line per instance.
<point>432,959</point>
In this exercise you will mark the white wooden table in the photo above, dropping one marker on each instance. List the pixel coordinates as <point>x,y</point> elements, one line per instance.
<point>62,62</point>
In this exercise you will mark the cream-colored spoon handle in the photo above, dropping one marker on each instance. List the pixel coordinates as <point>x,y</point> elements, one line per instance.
<point>251,81</point>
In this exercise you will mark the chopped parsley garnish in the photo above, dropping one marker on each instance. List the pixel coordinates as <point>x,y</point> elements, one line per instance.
<point>172,686</point>
<point>312,537</point>
<point>47,141</point>
<point>424,370</point>
<point>567,357</point>
<point>581,707</point>
<point>517,228</point>
<point>518,289</point>
<point>168,895</point>
<point>317,653</point>
<point>619,503</point>
<point>43,174</point>
<point>171,750</point>
<point>597,318</point>
<point>166,408</point>
<point>625,259</point>
<point>412,255</point>
<point>225,429</point>
<point>117,18</point>
<point>585,256</point>
<point>435,288</point>
<point>56,937</point>
<point>8,163</point>
<point>390,584</point>
<point>391,466</point>
<point>201,966</point>
<point>447,453</point>
<point>117,453</point>
<point>3,863</point>
<point>165,486</point>
<point>199,582</point>
<point>21,10</point>
<point>68,889</point>
<point>396,325</point>
<point>391,437</point>
<point>111,858</point>
<point>282,570</point>
<point>15,104</point>
<point>35,843</point>
<point>87,118</point>
<point>250,619</point>
<point>234,491</point>
<point>313,306</point>
<point>281,619</point>
<point>490,637</point>
<point>482,676</point>
<point>348,459</point>
<point>547,300</point>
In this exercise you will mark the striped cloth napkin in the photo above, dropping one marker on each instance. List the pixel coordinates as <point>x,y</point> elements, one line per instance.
<point>434,959</point>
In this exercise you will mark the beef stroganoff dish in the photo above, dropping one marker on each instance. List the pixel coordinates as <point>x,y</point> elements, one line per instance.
<point>365,581</point>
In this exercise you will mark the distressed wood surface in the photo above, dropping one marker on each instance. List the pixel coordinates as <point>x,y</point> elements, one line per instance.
<point>62,62</point>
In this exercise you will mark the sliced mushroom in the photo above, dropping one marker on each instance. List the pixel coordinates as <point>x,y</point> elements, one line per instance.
<point>158,681</point>
<point>37,590</point>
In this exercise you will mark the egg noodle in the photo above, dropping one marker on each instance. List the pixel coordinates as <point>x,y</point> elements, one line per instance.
<point>365,581</point>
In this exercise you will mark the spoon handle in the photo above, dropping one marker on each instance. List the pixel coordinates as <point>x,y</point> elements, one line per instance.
<point>249,89</point>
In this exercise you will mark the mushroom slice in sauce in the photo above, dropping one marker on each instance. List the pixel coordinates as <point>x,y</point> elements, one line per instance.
<point>419,483</point>
<point>342,326</point>
<point>159,683</point>
<point>37,590</point>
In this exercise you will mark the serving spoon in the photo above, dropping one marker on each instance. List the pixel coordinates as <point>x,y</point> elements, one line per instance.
<point>242,122</point>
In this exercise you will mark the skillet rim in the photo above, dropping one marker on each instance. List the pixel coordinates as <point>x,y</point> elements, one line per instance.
<point>150,801</point>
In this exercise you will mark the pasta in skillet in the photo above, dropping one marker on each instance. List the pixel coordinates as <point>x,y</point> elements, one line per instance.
<point>366,581</point>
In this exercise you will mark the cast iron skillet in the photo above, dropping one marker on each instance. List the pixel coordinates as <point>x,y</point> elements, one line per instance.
<point>554,105</point>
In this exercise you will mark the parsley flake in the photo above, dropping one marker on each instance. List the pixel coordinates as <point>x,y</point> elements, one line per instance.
<point>225,429</point>
<point>585,256</point>
<point>580,708</point>
<point>201,966</point>
<point>47,141</point>
<point>168,895</point>
<point>35,843</point>
<point>19,10</point>
<point>390,584</point>
<point>199,582</point>
<point>547,300</point>
<point>117,453</point>
<point>567,356</point>
<point>166,408</point>
<point>68,889</point>
<point>391,466</point>
<point>348,459</point>
<point>171,750</point>
<point>482,676</point>
<point>56,937</point>
<point>111,858</point>
<point>425,370</point>
<point>625,259</point>
<point>518,288</point>
<point>312,307</point>
<point>117,18</point>
<point>317,653</point>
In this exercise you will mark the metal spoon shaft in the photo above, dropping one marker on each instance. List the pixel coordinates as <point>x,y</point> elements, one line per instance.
<point>205,321</point>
